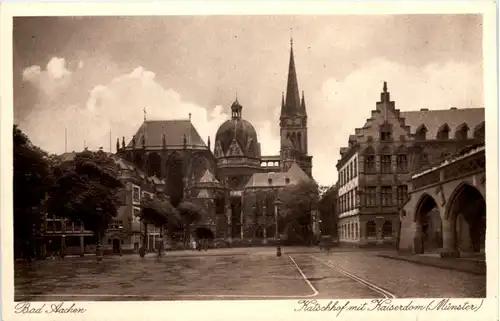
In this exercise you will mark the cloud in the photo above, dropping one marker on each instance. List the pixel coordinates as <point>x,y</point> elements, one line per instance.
<point>335,109</point>
<point>50,81</point>
<point>119,106</point>
<point>344,104</point>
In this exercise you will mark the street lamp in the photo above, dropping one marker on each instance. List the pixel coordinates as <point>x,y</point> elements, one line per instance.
<point>277,202</point>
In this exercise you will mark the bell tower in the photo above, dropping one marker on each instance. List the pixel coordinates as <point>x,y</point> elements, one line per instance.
<point>293,123</point>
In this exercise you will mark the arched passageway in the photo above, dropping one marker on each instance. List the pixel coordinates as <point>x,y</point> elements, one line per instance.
<point>429,236</point>
<point>468,211</point>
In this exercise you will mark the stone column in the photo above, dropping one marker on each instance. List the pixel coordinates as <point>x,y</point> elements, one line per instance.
<point>418,242</point>
<point>449,237</point>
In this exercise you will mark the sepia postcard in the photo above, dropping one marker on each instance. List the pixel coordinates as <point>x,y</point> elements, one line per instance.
<point>214,160</point>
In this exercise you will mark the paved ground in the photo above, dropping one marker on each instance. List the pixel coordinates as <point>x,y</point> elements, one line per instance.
<point>254,273</point>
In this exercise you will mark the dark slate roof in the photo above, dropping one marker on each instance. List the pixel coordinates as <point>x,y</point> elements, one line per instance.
<point>174,131</point>
<point>295,174</point>
<point>434,119</point>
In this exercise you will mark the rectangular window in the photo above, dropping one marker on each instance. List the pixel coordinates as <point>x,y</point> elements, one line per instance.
<point>349,204</point>
<point>356,167</point>
<point>386,192</point>
<point>385,164</point>
<point>402,163</point>
<point>370,164</point>
<point>385,135</point>
<point>356,197</point>
<point>136,194</point>
<point>135,214</point>
<point>402,194</point>
<point>371,196</point>
<point>350,171</point>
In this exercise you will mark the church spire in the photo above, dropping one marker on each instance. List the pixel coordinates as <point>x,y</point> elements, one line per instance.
<point>292,102</point>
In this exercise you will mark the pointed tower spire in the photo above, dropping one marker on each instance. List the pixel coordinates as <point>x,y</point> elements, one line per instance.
<point>292,102</point>
<point>303,105</point>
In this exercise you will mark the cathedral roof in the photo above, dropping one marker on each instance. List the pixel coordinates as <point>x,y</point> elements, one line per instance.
<point>293,176</point>
<point>434,119</point>
<point>172,132</point>
<point>236,136</point>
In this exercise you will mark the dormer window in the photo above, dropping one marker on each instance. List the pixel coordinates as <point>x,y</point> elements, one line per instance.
<point>479,132</point>
<point>443,132</point>
<point>461,133</point>
<point>421,133</point>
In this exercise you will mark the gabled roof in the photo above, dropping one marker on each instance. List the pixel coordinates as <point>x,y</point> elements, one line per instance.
<point>434,119</point>
<point>208,177</point>
<point>173,131</point>
<point>294,175</point>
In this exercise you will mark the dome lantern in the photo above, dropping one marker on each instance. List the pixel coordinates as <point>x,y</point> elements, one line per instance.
<point>236,109</point>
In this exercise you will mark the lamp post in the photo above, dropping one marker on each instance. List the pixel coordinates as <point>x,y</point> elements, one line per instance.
<point>99,245</point>
<point>277,202</point>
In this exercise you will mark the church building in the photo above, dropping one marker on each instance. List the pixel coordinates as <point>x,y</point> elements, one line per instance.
<point>174,151</point>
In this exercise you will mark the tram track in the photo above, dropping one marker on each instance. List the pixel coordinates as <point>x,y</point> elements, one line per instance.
<point>356,278</point>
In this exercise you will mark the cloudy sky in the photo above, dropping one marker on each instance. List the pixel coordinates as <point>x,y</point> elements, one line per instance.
<point>96,74</point>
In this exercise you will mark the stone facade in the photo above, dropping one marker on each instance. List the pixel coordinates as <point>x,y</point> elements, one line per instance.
<point>375,167</point>
<point>447,203</point>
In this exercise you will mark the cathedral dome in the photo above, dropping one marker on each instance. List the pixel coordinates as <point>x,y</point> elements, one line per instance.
<point>236,137</point>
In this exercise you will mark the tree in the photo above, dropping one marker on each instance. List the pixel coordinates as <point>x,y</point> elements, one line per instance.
<point>190,213</point>
<point>328,212</point>
<point>297,203</point>
<point>32,180</point>
<point>161,214</point>
<point>86,190</point>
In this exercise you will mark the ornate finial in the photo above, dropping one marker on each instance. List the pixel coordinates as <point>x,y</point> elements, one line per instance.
<point>118,144</point>
<point>144,113</point>
<point>385,86</point>
<point>123,142</point>
<point>189,116</point>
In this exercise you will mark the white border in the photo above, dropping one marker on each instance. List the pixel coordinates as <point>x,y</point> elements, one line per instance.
<point>247,310</point>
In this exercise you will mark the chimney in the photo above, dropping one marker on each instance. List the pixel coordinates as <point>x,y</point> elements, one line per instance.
<point>453,108</point>
<point>424,109</point>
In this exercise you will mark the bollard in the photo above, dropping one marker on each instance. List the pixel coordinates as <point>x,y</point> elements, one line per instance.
<point>278,251</point>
